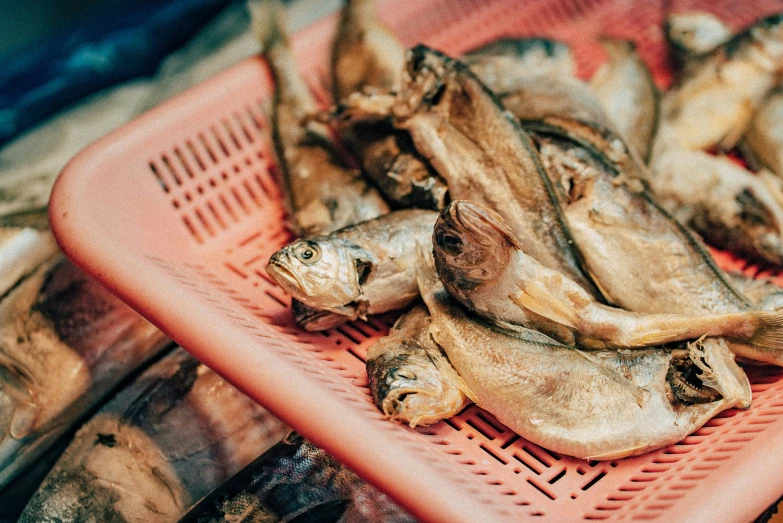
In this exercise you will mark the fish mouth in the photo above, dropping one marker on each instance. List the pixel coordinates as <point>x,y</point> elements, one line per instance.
<point>687,380</point>
<point>283,275</point>
<point>481,224</point>
<point>409,400</point>
<point>313,319</point>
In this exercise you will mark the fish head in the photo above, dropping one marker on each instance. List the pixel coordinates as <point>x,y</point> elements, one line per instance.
<point>471,245</point>
<point>408,387</point>
<point>324,273</point>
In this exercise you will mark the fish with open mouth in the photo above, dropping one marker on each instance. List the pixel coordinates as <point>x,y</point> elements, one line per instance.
<point>65,343</point>
<point>367,268</point>
<point>481,151</point>
<point>172,436</point>
<point>483,267</point>
<point>295,481</point>
<point>322,193</point>
<point>366,55</point>
<point>625,88</point>
<point>643,259</point>
<point>411,380</point>
<point>597,405</point>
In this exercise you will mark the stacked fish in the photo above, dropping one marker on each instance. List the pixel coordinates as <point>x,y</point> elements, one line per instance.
<point>550,226</point>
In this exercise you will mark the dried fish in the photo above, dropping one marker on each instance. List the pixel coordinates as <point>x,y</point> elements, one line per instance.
<point>625,88</point>
<point>364,269</point>
<point>410,379</point>
<point>171,437</point>
<point>482,266</point>
<point>479,149</point>
<point>22,250</point>
<point>323,194</point>
<point>693,34</point>
<point>296,481</point>
<point>65,343</point>
<point>762,292</point>
<point>604,405</point>
<point>765,134</point>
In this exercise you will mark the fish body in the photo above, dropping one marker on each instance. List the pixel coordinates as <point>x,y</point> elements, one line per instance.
<point>508,64</point>
<point>168,439</point>
<point>692,35</point>
<point>296,481</point>
<point>364,269</point>
<point>410,379</point>
<point>65,343</point>
<point>480,150</point>
<point>762,292</point>
<point>625,88</point>
<point>322,193</point>
<point>765,134</point>
<point>605,406</point>
<point>481,265</point>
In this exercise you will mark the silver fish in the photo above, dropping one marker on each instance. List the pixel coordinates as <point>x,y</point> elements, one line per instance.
<point>168,439</point>
<point>483,267</point>
<point>364,269</point>
<point>296,481</point>
<point>599,406</point>
<point>625,88</point>
<point>410,379</point>
<point>322,193</point>
<point>65,343</point>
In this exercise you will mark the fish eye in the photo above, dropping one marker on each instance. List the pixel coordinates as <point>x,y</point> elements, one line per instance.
<point>308,253</point>
<point>449,243</point>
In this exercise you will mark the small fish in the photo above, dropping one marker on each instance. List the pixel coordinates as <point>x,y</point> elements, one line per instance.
<point>604,405</point>
<point>625,88</point>
<point>364,269</point>
<point>65,343</point>
<point>171,437</point>
<point>365,53</point>
<point>713,106</point>
<point>481,151</point>
<point>764,137</point>
<point>483,267</point>
<point>410,379</point>
<point>322,193</point>
<point>692,35</point>
<point>507,64</point>
<point>298,482</point>
<point>643,259</point>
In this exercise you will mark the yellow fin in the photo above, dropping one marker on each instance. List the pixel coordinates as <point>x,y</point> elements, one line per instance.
<point>659,337</point>
<point>768,334</point>
<point>536,298</point>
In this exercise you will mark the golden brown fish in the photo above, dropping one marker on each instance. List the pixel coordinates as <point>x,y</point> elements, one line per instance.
<point>322,193</point>
<point>482,266</point>
<point>410,379</point>
<point>765,134</point>
<point>479,149</point>
<point>625,88</point>
<point>604,405</point>
<point>364,269</point>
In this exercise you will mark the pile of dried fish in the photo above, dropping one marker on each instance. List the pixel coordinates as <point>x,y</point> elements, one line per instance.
<point>552,254</point>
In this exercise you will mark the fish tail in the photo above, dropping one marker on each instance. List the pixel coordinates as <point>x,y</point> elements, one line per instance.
<point>268,23</point>
<point>768,334</point>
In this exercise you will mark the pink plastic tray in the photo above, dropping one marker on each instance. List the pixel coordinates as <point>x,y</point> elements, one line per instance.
<point>177,213</point>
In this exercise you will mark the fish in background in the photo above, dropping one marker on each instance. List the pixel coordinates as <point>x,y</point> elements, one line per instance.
<point>323,194</point>
<point>65,344</point>
<point>625,88</point>
<point>296,481</point>
<point>366,55</point>
<point>367,268</point>
<point>172,436</point>
<point>691,35</point>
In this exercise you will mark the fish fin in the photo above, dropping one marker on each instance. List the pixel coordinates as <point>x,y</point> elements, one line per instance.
<point>698,356</point>
<point>24,420</point>
<point>444,366</point>
<point>426,275</point>
<point>768,334</point>
<point>266,20</point>
<point>640,394</point>
<point>660,337</point>
<point>537,299</point>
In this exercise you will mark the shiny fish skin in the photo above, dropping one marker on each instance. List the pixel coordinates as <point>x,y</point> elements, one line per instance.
<point>481,265</point>
<point>65,343</point>
<point>557,397</point>
<point>411,381</point>
<point>322,194</point>
<point>365,53</point>
<point>479,149</point>
<point>296,481</point>
<point>171,437</point>
<point>625,88</point>
<point>364,269</point>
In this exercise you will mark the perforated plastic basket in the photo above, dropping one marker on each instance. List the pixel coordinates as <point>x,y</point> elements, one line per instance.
<point>177,213</point>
